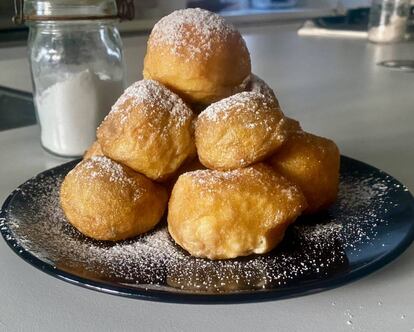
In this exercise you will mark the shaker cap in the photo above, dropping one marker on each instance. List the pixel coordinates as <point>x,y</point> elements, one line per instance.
<point>56,10</point>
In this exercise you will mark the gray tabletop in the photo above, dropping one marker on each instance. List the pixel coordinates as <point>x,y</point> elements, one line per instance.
<point>335,89</point>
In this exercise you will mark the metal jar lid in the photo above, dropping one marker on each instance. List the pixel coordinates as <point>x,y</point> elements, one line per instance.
<point>66,10</point>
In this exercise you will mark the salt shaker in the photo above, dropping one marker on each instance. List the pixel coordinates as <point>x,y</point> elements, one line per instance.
<point>388,20</point>
<point>77,66</point>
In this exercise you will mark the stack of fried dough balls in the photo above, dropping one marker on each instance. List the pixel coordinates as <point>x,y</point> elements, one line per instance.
<point>237,175</point>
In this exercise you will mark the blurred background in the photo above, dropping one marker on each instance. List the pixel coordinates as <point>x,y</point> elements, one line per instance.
<point>147,12</point>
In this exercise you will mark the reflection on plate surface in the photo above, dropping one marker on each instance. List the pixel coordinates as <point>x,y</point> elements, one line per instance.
<point>370,224</point>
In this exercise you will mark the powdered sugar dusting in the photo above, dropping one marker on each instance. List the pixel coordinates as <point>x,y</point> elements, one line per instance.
<point>252,102</point>
<point>152,97</point>
<point>104,168</point>
<point>214,180</point>
<point>101,165</point>
<point>256,84</point>
<point>190,32</point>
<point>314,248</point>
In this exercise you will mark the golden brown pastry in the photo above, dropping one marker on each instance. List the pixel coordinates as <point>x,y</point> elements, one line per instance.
<point>290,126</point>
<point>108,201</point>
<point>188,166</point>
<point>238,131</point>
<point>198,55</point>
<point>312,162</point>
<point>222,215</point>
<point>256,84</point>
<point>94,150</point>
<point>148,129</point>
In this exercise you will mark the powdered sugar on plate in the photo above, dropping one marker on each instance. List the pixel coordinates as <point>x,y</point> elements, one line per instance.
<point>315,248</point>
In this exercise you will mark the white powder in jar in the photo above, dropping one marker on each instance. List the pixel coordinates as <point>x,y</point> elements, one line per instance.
<point>70,110</point>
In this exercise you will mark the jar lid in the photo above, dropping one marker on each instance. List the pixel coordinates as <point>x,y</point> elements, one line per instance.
<point>55,10</point>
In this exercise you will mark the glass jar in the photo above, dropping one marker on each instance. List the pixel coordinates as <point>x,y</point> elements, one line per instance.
<point>77,68</point>
<point>388,20</point>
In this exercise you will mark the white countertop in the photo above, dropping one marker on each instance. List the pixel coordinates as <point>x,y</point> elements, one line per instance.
<point>336,90</point>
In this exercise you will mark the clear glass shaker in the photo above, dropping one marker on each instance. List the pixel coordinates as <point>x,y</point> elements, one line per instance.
<point>77,67</point>
<point>388,20</point>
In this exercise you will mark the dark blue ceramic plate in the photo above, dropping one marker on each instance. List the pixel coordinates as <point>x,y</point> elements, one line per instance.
<point>371,223</point>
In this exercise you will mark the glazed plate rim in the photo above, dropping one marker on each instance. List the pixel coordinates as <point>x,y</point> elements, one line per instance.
<point>161,294</point>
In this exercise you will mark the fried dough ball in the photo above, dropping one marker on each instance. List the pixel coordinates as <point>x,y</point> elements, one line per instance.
<point>198,55</point>
<point>149,129</point>
<point>222,215</point>
<point>256,84</point>
<point>188,166</point>
<point>312,162</point>
<point>291,126</point>
<point>109,201</point>
<point>94,150</point>
<point>238,131</point>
